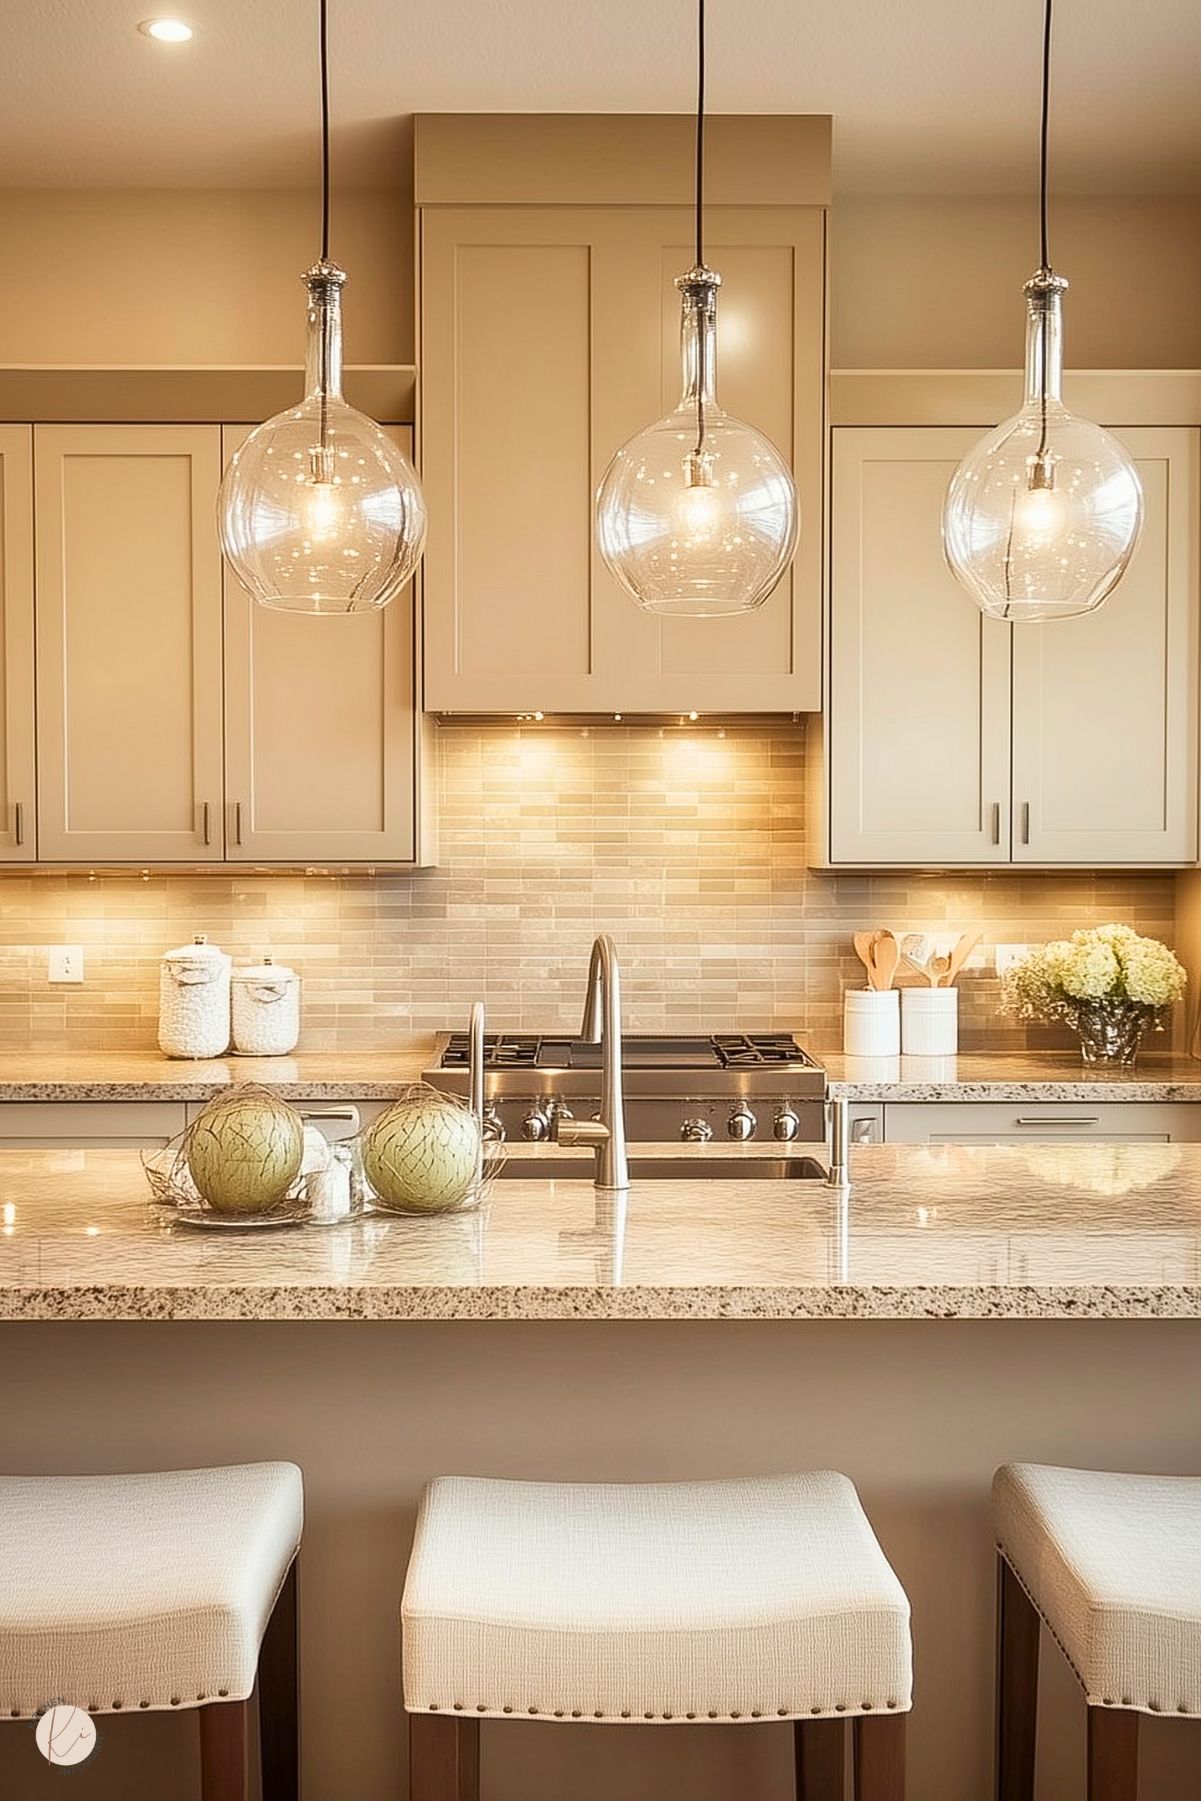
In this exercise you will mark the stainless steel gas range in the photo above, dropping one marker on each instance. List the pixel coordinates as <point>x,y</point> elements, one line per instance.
<point>731,1085</point>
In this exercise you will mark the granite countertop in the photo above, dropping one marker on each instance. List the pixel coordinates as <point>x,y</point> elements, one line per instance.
<point>927,1232</point>
<point>1011,1076</point>
<point>380,1075</point>
<point>149,1076</point>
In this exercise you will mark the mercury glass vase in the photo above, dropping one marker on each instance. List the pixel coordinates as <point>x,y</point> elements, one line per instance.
<point>1110,1031</point>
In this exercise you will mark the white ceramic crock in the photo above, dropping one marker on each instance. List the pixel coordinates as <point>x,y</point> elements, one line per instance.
<point>930,1022</point>
<point>266,1009</point>
<point>193,1000</point>
<point>871,1022</point>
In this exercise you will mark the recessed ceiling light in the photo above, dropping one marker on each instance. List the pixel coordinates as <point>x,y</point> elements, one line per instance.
<point>166,31</point>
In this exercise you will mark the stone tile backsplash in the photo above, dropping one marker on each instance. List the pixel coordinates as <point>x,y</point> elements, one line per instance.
<point>688,844</point>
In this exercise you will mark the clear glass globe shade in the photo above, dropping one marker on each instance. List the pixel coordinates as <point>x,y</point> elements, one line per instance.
<point>697,515</point>
<point>338,529</point>
<point>1043,515</point>
<point>697,549</point>
<point>1034,553</point>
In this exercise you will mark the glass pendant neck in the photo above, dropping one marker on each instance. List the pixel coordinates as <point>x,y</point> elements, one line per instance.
<point>323,357</point>
<point>698,335</point>
<point>1044,338</point>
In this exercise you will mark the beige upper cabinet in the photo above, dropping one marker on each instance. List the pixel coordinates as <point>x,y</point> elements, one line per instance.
<point>549,336</point>
<point>918,726</point>
<point>1105,707</point>
<point>17,794</point>
<point>322,743</point>
<point>128,600</point>
<point>953,739</point>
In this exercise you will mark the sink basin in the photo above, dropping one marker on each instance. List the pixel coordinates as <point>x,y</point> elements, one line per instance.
<point>671,1169</point>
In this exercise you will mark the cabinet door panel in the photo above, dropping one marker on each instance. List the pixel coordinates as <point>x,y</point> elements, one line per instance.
<point>1105,706</point>
<point>17,800</point>
<point>319,729</point>
<point>550,336</point>
<point>128,643</point>
<point>919,679</point>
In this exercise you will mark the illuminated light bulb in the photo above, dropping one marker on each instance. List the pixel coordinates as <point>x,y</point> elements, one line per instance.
<point>1040,514</point>
<point>166,31</point>
<point>697,515</point>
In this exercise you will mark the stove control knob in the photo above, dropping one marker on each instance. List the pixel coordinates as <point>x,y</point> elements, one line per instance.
<point>536,1125</point>
<point>696,1131</point>
<point>493,1131</point>
<point>786,1124</point>
<point>741,1123</point>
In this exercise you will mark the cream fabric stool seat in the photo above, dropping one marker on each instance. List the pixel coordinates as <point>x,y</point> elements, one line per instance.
<point>1112,1564</point>
<point>751,1600</point>
<point>143,1592</point>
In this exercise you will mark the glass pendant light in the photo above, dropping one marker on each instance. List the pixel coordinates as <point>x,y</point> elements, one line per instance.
<point>1042,516</point>
<point>320,511</point>
<point>697,515</point>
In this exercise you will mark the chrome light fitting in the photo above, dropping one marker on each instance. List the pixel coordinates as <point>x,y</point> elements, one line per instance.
<point>320,511</point>
<point>697,516</point>
<point>1042,516</point>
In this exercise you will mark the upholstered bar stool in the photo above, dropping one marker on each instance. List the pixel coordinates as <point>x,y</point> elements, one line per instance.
<point>121,1594</point>
<point>681,1603</point>
<point>1112,1565</point>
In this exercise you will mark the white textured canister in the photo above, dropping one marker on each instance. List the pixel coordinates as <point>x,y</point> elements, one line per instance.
<point>193,1001</point>
<point>871,1022</point>
<point>266,1009</point>
<point>930,1022</point>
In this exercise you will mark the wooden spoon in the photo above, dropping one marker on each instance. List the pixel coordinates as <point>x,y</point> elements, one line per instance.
<point>886,954</point>
<point>863,950</point>
<point>960,955</point>
<point>938,972</point>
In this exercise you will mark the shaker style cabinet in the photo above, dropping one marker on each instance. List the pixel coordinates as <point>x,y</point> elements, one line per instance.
<point>322,741</point>
<point>177,722</point>
<point>128,644</point>
<point>952,739</point>
<point>18,821</point>
<point>549,336</point>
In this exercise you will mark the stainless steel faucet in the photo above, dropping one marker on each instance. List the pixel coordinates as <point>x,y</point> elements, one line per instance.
<point>602,1025</point>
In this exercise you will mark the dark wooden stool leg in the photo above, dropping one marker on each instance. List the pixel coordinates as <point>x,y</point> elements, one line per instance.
<point>821,1749</point>
<point>880,1757</point>
<point>1112,1754</point>
<point>1017,1687</point>
<point>444,1757</point>
<point>225,1751</point>
<point>279,1675</point>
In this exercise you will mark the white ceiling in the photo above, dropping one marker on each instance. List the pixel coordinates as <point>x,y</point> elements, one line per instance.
<point>927,95</point>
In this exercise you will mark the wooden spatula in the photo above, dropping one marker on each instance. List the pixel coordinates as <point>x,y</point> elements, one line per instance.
<point>886,954</point>
<point>863,942</point>
<point>960,955</point>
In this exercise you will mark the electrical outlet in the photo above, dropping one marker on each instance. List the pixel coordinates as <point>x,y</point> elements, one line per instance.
<point>65,963</point>
<point>1009,954</point>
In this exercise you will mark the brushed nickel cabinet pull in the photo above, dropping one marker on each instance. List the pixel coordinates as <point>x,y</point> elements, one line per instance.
<point>1065,1119</point>
<point>19,822</point>
<point>1025,822</point>
<point>996,822</point>
<point>206,822</point>
<point>237,822</point>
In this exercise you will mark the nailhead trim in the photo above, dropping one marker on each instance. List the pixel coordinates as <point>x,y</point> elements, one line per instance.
<point>625,1713</point>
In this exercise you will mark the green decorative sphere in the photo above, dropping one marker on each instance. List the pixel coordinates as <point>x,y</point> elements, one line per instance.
<point>244,1152</point>
<point>420,1154</point>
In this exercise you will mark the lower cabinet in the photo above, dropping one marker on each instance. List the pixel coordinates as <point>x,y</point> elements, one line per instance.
<point>1035,1122</point>
<point>89,1125</point>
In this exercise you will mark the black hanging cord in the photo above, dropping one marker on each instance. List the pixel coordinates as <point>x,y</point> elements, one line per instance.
<point>700,131</point>
<point>1046,113</point>
<point>324,133</point>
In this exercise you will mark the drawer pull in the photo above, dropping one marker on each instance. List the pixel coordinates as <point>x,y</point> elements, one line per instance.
<point>1061,1119</point>
<point>996,822</point>
<point>19,822</point>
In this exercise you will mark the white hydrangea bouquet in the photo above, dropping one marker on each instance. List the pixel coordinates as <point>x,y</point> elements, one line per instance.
<point>1108,983</point>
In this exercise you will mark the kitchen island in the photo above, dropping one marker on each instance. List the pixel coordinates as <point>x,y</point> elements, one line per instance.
<point>960,1307</point>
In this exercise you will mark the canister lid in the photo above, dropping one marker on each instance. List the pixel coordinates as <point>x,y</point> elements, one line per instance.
<point>199,954</point>
<point>268,973</point>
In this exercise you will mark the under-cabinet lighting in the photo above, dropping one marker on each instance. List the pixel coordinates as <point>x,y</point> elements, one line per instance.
<point>166,31</point>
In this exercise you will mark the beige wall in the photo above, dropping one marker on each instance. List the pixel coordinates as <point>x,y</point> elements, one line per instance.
<point>182,276</point>
<point>936,282</point>
<point>688,844</point>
